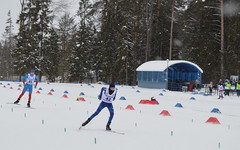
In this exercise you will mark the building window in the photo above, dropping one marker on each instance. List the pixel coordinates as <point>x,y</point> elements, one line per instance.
<point>155,77</point>
<point>139,75</point>
<point>161,76</point>
<point>144,76</point>
<point>149,78</point>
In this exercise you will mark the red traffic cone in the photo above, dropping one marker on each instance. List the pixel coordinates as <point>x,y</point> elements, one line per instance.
<point>50,93</point>
<point>165,113</point>
<point>65,96</point>
<point>130,107</point>
<point>82,99</point>
<point>213,120</point>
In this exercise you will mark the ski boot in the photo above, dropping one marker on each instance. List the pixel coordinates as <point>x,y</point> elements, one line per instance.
<point>28,104</point>
<point>17,101</point>
<point>86,122</point>
<point>108,126</point>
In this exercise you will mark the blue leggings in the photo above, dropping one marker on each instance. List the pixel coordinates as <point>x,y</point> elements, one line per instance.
<point>101,106</point>
<point>28,87</point>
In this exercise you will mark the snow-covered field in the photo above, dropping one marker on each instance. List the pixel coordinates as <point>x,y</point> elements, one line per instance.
<point>54,123</point>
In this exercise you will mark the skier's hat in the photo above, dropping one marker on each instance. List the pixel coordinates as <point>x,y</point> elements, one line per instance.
<point>32,71</point>
<point>112,85</point>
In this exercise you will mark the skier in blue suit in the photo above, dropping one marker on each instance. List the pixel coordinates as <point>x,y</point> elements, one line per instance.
<point>107,95</point>
<point>30,78</point>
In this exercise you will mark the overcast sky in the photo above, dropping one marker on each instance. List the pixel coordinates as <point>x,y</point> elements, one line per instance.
<point>15,7</point>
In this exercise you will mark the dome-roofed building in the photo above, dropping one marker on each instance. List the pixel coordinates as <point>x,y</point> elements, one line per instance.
<point>152,74</point>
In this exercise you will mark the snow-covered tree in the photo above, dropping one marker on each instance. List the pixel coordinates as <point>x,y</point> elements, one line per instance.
<point>8,45</point>
<point>35,22</point>
<point>52,56</point>
<point>66,31</point>
<point>80,65</point>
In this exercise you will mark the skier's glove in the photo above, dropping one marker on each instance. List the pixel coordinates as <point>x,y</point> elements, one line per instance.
<point>99,97</point>
<point>35,86</point>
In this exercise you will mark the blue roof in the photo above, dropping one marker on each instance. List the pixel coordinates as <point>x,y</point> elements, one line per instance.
<point>183,67</point>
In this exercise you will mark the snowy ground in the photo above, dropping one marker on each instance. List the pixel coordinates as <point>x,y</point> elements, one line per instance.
<point>54,123</point>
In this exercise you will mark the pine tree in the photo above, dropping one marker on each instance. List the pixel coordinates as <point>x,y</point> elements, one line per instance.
<point>202,38</point>
<point>80,58</point>
<point>66,32</point>
<point>52,56</point>
<point>22,47</point>
<point>138,39</point>
<point>128,37</point>
<point>231,38</point>
<point>8,46</point>
<point>122,36</point>
<point>45,20</point>
<point>161,30</point>
<point>149,27</point>
<point>108,35</point>
<point>33,36</point>
<point>95,54</point>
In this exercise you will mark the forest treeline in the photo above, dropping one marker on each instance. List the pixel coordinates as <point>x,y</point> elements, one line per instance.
<point>107,40</point>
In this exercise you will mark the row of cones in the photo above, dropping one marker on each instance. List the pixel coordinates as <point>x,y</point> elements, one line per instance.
<point>19,89</point>
<point>9,88</point>
<point>65,96</point>
<point>38,92</point>
<point>213,120</point>
<point>50,93</point>
<point>130,107</point>
<point>12,88</point>
<point>164,112</point>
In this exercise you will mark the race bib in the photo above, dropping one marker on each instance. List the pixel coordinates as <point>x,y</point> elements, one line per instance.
<point>30,79</point>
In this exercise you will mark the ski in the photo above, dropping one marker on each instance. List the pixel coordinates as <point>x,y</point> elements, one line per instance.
<point>30,107</point>
<point>112,131</point>
<point>20,104</point>
<point>13,103</point>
